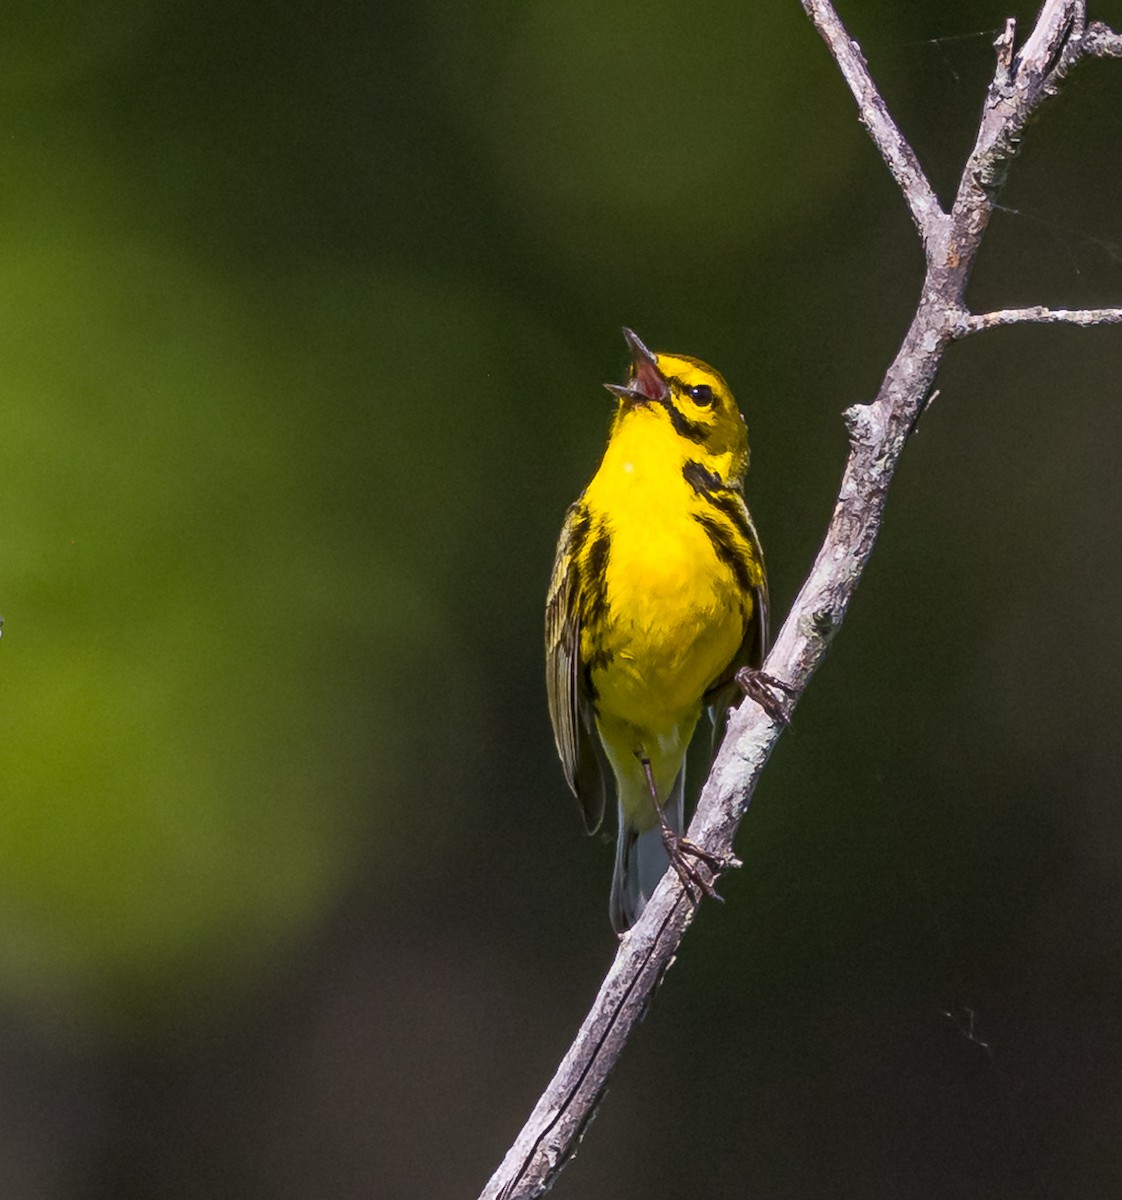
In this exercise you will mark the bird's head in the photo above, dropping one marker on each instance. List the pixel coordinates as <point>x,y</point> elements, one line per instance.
<point>693,399</point>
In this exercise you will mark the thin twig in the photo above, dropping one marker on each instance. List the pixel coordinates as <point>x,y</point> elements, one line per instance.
<point>874,115</point>
<point>878,432</point>
<point>1038,315</point>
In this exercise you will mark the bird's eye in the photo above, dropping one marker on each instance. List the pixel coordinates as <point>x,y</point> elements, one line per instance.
<point>702,395</point>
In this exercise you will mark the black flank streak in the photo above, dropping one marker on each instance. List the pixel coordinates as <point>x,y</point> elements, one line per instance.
<point>579,529</point>
<point>595,607</point>
<point>594,602</point>
<point>733,508</point>
<point>725,547</point>
<point>724,497</point>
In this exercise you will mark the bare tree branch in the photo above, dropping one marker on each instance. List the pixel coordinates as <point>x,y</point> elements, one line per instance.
<point>874,115</point>
<point>878,432</point>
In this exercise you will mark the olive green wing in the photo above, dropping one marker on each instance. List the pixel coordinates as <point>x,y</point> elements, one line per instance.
<point>570,702</point>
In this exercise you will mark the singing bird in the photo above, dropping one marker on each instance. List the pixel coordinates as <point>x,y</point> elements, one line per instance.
<point>658,598</point>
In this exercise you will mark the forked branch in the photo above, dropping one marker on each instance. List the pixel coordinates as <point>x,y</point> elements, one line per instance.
<point>1022,81</point>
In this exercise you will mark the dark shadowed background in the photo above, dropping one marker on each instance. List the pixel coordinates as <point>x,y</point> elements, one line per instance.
<point>304,312</point>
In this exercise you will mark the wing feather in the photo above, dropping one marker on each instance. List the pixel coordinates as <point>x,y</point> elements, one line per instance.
<point>570,704</point>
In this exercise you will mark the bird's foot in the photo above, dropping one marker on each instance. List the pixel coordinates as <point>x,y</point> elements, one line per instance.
<point>696,868</point>
<point>769,692</point>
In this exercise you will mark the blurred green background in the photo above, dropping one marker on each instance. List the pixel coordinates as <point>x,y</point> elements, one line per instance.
<point>304,313</point>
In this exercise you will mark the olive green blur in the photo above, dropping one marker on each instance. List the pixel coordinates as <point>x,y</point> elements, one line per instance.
<point>304,316</point>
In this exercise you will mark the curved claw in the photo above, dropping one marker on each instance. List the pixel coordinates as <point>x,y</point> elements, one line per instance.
<point>681,850</point>
<point>761,688</point>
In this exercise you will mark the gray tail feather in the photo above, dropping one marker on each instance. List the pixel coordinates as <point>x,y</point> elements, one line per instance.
<point>641,860</point>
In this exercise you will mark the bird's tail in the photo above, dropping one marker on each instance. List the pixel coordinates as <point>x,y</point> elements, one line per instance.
<point>641,859</point>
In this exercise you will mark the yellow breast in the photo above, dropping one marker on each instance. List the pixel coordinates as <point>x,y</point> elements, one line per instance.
<point>674,615</point>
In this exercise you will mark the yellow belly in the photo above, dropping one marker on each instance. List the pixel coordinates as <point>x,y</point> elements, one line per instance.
<point>675,622</point>
<point>672,617</point>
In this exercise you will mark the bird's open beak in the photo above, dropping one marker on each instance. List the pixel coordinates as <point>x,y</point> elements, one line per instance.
<point>647,382</point>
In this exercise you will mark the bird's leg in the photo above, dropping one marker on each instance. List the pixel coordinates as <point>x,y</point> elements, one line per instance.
<point>763,689</point>
<point>680,849</point>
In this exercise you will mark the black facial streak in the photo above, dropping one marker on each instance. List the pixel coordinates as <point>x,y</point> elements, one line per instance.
<point>701,479</point>
<point>693,431</point>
